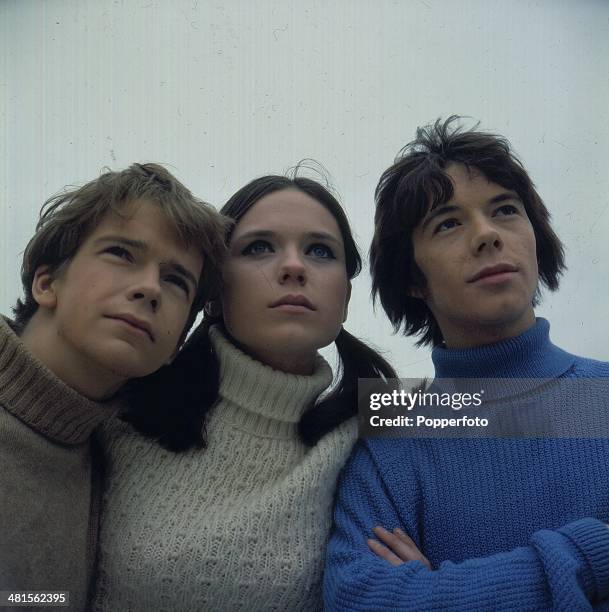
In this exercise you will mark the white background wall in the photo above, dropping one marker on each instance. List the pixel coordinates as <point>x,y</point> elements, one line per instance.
<point>228,90</point>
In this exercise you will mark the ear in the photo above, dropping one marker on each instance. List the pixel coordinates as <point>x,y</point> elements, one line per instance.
<point>44,288</point>
<point>347,298</point>
<point>213,308</point>
<point>418,293</point>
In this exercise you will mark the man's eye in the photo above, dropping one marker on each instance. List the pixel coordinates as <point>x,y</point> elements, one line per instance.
<point>258,247</point>
<point>120,252</point>
<point>506,209</point>
<point>445,225</point>
<point>179,282</point>
<point>321,250</point>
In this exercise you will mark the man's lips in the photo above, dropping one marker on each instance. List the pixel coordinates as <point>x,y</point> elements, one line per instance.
<point>293,300</point>
<point>490,271</point>
<point>134,322</point>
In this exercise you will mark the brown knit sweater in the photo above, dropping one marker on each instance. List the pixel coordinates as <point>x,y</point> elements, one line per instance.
<point>48,523</point>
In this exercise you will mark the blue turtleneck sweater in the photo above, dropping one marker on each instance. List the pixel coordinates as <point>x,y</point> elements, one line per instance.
<point>514,524</point>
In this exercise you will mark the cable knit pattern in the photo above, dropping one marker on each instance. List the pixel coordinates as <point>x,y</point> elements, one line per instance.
<point>507,524</point>
<point>241,525</point>
<point>47,522</point>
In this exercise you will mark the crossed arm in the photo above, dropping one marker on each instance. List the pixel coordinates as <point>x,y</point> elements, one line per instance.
<point>395,547</point>
<point>566,569</point>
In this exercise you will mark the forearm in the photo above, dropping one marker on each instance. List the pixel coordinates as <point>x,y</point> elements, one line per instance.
<point>561,570</point>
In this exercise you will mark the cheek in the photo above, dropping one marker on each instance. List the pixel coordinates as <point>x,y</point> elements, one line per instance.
<point>228,314</point>
<point>178,321</point>
<point>529,247</point>
<point>338,292</point>
<point>241,284</point>
<point>230,282</point>
<point>236,307</point>
<point>423,277</point>
<point>236,294</point>
<point>533,246</point>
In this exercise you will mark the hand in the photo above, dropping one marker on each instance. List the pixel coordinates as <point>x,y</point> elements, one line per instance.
<point>398,549</point>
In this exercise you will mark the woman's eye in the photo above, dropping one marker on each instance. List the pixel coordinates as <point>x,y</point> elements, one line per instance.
<point>446,225</point>
<point>506,209</point>
<point>321,250</point>
<point>120,252</point>
<point>258,247</point>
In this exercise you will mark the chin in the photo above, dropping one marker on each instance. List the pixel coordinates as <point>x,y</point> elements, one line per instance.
<point>127,370</point>
<point>506,318</point>
<point>292,343</point>
<point>313,341</point>
<point>126,363</point>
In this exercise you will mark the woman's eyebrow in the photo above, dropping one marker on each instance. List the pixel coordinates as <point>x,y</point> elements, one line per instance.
<point>260,233</point>
<point>323,236</point>
<point>255,233</point>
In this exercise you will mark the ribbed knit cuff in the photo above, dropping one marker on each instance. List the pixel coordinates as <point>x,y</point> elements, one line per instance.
<point>591,537</point>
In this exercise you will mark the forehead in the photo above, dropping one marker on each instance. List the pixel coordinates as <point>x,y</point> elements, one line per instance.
<point>471,190</point>
<point>468,187</point>
<point>145,222</point>
<point>469,183</point>
<point>288,212</point>
<point>141,217</point>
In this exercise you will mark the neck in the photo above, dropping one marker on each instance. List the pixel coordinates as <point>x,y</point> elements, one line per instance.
<point>272,397</point>
<point>482,335</point>
<point>529,355</point>
<point>286,361</point>
<point>289,364</point>
<point>75,370</point>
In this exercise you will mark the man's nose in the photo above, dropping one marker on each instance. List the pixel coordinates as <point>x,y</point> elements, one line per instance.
<point>485,238</point>
<point>147,287</point>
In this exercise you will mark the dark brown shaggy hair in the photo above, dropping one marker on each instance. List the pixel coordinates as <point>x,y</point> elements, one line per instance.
<point>416,182</point>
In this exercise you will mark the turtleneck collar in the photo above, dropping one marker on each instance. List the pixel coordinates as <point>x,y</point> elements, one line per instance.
<point>33,394</point>
<point>271,401</point>
<point>529,355</point>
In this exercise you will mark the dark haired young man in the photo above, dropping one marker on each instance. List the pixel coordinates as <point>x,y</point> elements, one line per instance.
<point>461,242</point>
<point>113,278</point>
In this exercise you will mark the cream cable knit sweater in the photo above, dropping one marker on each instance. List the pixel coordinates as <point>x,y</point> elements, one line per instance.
<point>241,525</point>
<point>47,522</point>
